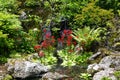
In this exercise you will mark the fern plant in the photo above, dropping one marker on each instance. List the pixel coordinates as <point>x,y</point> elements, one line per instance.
<point>86,36</point>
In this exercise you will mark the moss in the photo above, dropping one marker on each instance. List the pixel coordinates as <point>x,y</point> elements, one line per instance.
<point>117,74</point>
<point>8,77</point>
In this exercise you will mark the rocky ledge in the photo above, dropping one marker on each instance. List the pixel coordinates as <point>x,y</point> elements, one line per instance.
<point>23,69</point>
<point>107,66</point>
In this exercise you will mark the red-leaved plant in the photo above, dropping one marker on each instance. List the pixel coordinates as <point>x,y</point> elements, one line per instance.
<point>66,39</point>
<point>45,50</point>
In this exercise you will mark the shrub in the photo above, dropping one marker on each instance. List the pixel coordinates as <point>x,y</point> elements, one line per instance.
<point>8,25</point>
<point>93,16</point>
<point>10,6</point>
<point>12,36</point>
<point>109,4</point>
<point>3,38</point>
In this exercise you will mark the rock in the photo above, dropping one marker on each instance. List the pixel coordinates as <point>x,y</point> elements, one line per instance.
<point>110,62</point>
<point>25,69</point>
<point>101,53</point>
<point>105,73</point>
<point>106,67</point>
<point>23,15</point>
<point>53,76</point>
<point>105,63</point>
<point>32,57</point>
<point>94,68</point>
<point>93,57</point>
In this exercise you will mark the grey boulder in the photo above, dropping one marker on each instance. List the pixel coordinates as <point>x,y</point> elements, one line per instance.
<point>53,76</point>
<point>24,69</point>
<point>108,73</point>
<point>105,68</point>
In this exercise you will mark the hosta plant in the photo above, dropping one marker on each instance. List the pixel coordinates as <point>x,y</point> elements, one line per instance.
<point>68,57</point>
<point>71,58</point>
<point>47,58</point>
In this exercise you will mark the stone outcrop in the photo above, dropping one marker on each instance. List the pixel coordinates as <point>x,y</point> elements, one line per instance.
<point>24,69</point>
<point>105,73</point>
<point>106,67</point>
<point>53,76</point>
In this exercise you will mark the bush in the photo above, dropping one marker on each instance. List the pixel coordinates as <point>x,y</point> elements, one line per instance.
<point>10,6</point>
<point>109,4</point>
<point>12,36</point>
<point>3,59</point>
<point>3,43</point>
<point>93,16</point>
<point>8,25</point>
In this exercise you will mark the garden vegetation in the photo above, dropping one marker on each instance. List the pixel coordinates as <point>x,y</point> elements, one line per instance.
<point>69,29</point>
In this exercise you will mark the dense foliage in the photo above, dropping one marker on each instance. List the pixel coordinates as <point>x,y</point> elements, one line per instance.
<point>57,27</point>
<point>109,4</point>
<point>93,16</point>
